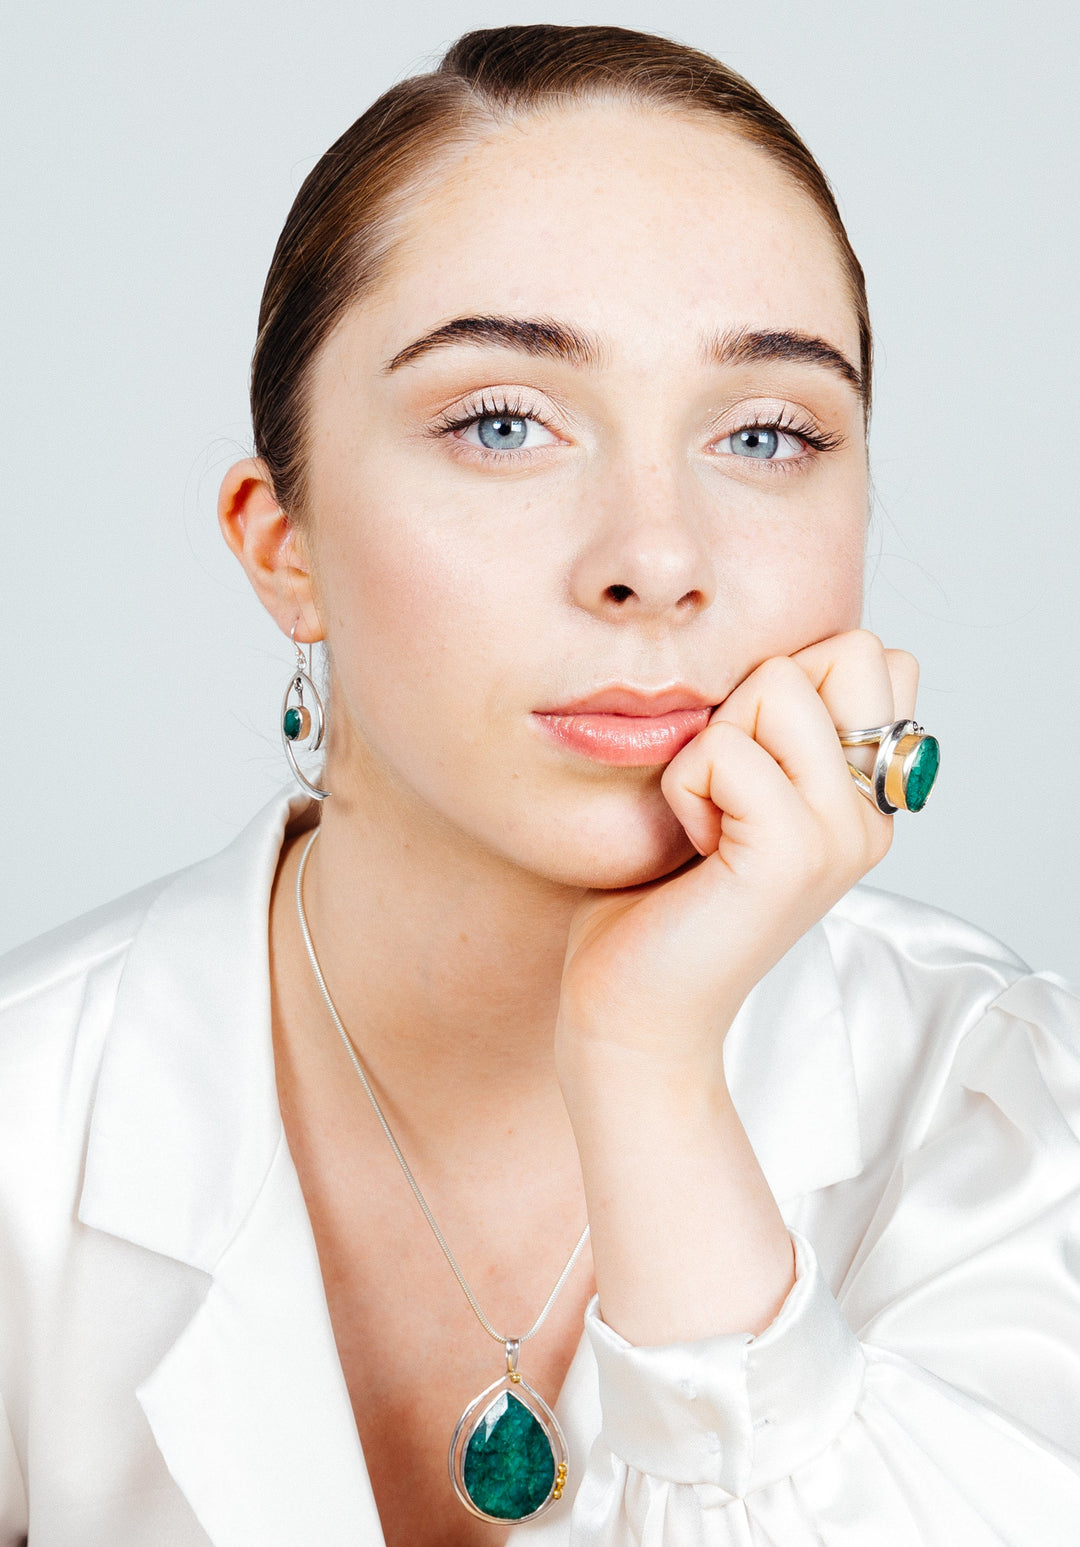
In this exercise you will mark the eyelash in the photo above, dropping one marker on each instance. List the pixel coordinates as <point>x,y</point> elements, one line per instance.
<point>786,423</point>
<point>789,424</point>
<point>501,408</point>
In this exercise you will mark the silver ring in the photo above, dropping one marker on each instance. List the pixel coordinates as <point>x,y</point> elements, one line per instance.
<point>905,768</point>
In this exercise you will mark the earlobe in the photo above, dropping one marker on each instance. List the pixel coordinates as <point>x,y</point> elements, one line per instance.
<point>270,548</point>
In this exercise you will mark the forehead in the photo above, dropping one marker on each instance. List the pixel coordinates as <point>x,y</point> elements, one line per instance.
<point>646,227</point>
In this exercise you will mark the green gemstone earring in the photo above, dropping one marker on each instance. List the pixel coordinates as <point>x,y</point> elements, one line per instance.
<point>302,721</point>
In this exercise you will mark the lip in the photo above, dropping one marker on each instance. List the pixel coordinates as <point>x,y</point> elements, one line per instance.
<point>628,727</point>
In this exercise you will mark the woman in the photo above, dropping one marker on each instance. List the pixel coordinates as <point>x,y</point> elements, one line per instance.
<point>560,397</point>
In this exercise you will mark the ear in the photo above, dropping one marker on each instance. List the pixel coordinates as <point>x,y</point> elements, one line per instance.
<point>270,547</point>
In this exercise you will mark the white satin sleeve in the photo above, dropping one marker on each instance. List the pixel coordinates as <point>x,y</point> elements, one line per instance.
<point>933,1400</point>
<point>13,1501</point>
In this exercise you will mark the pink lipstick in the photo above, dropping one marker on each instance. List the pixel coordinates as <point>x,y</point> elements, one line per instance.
<point>629,727</point>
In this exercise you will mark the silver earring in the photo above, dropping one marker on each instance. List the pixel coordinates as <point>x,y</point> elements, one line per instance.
<point>302,721</point>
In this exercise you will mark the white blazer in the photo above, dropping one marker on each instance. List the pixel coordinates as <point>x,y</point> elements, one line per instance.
<point>168,1372</point>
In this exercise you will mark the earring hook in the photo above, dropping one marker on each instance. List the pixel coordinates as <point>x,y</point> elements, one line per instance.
<point>301,660</point>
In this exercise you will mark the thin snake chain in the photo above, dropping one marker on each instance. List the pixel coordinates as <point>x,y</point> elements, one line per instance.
<point>395,1146</point>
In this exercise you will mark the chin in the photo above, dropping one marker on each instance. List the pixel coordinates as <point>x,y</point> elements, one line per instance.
<point>611,843</point>
<point>612,878</point>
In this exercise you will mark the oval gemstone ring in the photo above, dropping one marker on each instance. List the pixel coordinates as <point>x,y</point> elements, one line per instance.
<point>905,768</point>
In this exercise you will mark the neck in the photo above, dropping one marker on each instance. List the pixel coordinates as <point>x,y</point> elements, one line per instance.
<point>444,960</point>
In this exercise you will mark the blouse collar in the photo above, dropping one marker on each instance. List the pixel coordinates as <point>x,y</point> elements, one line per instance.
<point>186,1120</point>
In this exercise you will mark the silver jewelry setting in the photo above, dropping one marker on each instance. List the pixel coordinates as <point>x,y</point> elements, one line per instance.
<point>902,746</point>
<point>302,720</point>
<point>488,1408</point>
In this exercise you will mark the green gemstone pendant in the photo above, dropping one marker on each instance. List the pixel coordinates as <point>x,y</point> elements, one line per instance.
<point>508,1454</point>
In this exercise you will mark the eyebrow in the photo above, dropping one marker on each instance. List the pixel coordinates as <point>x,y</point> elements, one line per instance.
<point>533,336</point>
<point>555,341</point>
<point>743,347</point>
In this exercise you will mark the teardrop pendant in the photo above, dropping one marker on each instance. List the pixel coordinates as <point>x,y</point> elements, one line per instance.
<point>508,1454</point>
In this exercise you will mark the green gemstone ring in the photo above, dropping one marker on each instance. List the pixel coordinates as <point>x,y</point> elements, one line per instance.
<point>905,768</point>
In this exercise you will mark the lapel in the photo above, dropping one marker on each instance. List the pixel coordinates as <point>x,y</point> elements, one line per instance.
<point>187,1158</point>
<point>249,1406</point>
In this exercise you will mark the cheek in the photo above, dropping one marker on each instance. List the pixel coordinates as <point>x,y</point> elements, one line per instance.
<point>428,618</point>
<point>796,580</point>
<point>825,591</point>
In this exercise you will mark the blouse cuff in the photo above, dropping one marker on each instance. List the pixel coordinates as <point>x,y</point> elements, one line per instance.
<point>735,1411</point>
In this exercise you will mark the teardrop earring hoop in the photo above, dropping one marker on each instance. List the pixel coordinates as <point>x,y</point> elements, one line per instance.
<point>300,720</point>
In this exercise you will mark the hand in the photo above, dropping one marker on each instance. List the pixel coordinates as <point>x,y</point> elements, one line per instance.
<point>687,1239</point>
<point>766,797</point>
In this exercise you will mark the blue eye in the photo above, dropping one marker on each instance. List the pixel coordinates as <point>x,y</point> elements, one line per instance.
<point>500,432</point>
<point>756,443</point>
<point>504,431</point>
<point>763,442</point>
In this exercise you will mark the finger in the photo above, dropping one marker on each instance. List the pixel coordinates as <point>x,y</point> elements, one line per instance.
<point>725,784</point>
<point>778,706</point>
<point>904,672</point>
<point>851,674</point>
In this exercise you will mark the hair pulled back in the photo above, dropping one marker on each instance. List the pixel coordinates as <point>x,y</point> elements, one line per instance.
<point>341,228</point>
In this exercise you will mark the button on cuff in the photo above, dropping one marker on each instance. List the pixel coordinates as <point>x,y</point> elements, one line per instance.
<point>733,1410</point>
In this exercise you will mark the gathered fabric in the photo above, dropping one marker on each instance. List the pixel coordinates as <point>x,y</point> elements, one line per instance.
<point>168,1370</point>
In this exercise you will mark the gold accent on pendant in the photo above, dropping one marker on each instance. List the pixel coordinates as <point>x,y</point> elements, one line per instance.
<point>477,1428</point>
<point>515,1376</point>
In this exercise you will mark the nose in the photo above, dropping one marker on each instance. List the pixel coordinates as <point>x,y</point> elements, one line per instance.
<point>646,557</point>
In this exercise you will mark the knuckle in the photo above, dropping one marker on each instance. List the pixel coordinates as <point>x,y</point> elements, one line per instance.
<point>719,730</point>
<point>778,671</point>
<point>903,669</point>
<point>864,642</point>
<point>856,652</point>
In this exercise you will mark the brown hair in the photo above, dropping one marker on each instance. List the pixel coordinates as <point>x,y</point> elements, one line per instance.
<point>341,227</point>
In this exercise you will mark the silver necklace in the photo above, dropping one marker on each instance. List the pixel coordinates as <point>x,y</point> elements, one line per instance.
<point>508,1454</point>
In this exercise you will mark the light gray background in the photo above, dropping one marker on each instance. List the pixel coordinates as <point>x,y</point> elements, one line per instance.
<point>151,152</point>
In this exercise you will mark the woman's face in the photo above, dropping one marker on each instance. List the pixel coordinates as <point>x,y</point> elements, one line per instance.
<point>561,452</point>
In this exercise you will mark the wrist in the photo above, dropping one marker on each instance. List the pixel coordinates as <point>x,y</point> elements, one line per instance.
<point>687,1238</point>
<point>673,1075</point>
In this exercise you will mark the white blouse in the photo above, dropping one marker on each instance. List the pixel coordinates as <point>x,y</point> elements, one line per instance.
<point>168,1372</point>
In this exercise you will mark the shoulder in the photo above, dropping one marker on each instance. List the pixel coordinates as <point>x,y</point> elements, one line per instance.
<point>936,1005</point>
<point>50,982</point>
<point>914,961</point>
<point>118,1029</point>
<point>59,994</point>
<point>52,985</point>
<point>57,998</point>
<point>916,935</point>
<point>75,947</point>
